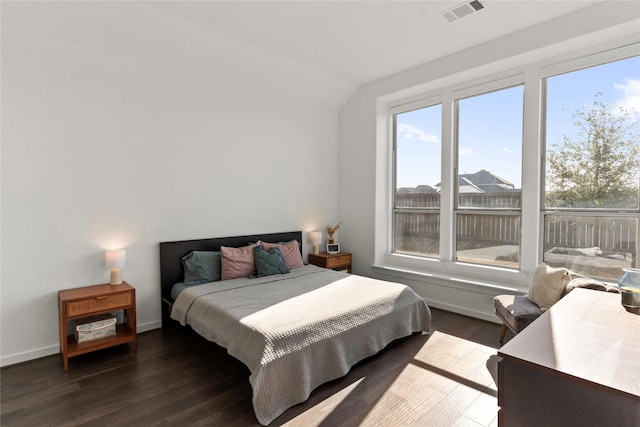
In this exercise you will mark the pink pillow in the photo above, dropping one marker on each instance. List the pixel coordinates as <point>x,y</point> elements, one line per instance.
<point>237,262</point>
<point>290,252</point>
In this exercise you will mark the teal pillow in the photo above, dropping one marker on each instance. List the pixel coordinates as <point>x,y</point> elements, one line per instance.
<point>269,262</point>
<point>201,267</point>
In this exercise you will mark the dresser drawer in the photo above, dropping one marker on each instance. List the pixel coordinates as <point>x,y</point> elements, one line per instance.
<point>339,261</point>
<point>99,303</point>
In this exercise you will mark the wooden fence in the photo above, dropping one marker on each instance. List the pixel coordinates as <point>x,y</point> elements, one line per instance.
<point>505,200</point>
<point>614,234</point>
<point>607,233</point>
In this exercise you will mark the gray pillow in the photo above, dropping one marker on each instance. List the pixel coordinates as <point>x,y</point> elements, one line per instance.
<point>269,262</point>
<point>201,267</point>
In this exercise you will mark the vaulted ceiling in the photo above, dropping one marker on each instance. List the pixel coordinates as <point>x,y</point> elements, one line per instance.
<point>317,51</point>
<point>361,41</point>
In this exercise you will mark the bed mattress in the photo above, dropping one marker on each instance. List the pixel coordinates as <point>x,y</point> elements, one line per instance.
<point>298,330</point>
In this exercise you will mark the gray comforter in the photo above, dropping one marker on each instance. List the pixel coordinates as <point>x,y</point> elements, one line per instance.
<point>299,330</point>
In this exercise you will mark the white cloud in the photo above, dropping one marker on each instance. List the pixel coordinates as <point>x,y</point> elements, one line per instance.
<point>413,133</point>
<point>631,100</point>
<point>463,151</point>
<point>509,150</point>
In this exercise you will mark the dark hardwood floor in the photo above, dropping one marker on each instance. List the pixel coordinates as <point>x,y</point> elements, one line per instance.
<point>178,379</point>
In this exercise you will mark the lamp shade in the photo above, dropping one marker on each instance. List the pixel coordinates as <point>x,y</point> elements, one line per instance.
<point>115,258</point>
<point>315,237</point>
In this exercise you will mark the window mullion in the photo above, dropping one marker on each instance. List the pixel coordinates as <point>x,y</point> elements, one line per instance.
<point>532,170</point>
<point>447,198</point>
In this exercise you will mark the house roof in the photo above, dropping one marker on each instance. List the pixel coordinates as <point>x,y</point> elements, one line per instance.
<point>482,181</point>
<point>484,177</point>
<point>420,189</point>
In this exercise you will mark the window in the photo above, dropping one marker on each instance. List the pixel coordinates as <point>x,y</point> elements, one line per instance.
<point>416,213</point>
<point>592,169</point>
<point>489,147</point>
<point>492,177</point>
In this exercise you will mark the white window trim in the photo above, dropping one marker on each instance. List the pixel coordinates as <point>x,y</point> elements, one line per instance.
<point>478,90</point>
<point>393,111</point>
<point>532,218</point>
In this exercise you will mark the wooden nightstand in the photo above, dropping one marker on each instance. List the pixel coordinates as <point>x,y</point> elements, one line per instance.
<point>339,261</point>
<point>97,299</point>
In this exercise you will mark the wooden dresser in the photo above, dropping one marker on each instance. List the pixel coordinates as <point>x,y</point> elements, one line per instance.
<point>577,365</point>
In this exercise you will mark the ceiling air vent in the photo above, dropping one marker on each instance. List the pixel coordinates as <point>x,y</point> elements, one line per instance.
<point>462,10</point>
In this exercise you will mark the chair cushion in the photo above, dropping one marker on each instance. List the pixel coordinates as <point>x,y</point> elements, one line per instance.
<point>517,312</point>
<point>547,285</point>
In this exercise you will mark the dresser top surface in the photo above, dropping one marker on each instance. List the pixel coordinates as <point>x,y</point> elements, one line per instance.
<point>587,334</point>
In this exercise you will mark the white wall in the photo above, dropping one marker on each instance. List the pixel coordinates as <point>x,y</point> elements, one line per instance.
<point>122,127</point>
<point>363,138</point>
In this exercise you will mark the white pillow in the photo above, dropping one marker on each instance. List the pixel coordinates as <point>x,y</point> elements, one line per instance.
<point>547,285</point>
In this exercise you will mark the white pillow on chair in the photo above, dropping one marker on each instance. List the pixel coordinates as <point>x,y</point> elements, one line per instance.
<point>547,285</point>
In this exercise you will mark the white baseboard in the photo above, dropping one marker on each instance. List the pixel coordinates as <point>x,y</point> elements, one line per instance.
<point>469,298</point>
<point>488,316</point>
<point>150,326</point>
<point>25,356</point>
<point>28,355</point>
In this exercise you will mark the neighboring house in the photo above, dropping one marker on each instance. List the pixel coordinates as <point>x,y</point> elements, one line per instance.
<point>482,181</point>
<point>420,189</point>
<point>466,185</point>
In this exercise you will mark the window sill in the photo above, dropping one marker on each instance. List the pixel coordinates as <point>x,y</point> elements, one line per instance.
<point>459,275</point>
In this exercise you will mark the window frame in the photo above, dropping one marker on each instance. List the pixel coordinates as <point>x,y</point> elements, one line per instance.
<point>446,270</point>
<point>479,90</point>
<point>570,66</point>
<point>393,113</point>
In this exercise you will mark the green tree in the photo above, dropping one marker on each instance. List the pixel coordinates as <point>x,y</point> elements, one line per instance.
<point>599,167</point>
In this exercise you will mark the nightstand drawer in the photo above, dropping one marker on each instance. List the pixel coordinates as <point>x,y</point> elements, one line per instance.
<point>104,302</point>
<point>339,261</point>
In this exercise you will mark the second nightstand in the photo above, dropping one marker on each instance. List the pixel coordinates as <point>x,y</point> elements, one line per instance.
<point>339,261</point>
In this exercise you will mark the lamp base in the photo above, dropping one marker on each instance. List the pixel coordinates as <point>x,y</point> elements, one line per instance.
<point>315,249</point>
<point>116,279</point>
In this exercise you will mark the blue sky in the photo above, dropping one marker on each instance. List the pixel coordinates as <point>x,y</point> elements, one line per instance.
<point>491,124</point>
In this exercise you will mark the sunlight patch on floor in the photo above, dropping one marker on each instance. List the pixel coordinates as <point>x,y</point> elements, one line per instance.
<point>445,382</point>
<point>326,407</point>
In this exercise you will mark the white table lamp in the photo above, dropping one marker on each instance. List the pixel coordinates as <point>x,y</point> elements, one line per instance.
<point>115,259</point>
<point>315,237</point>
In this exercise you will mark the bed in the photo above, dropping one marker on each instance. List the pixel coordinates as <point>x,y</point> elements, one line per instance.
<point>294,331</point>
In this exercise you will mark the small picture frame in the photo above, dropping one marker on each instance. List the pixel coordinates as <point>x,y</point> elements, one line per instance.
<point>333,248</point>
